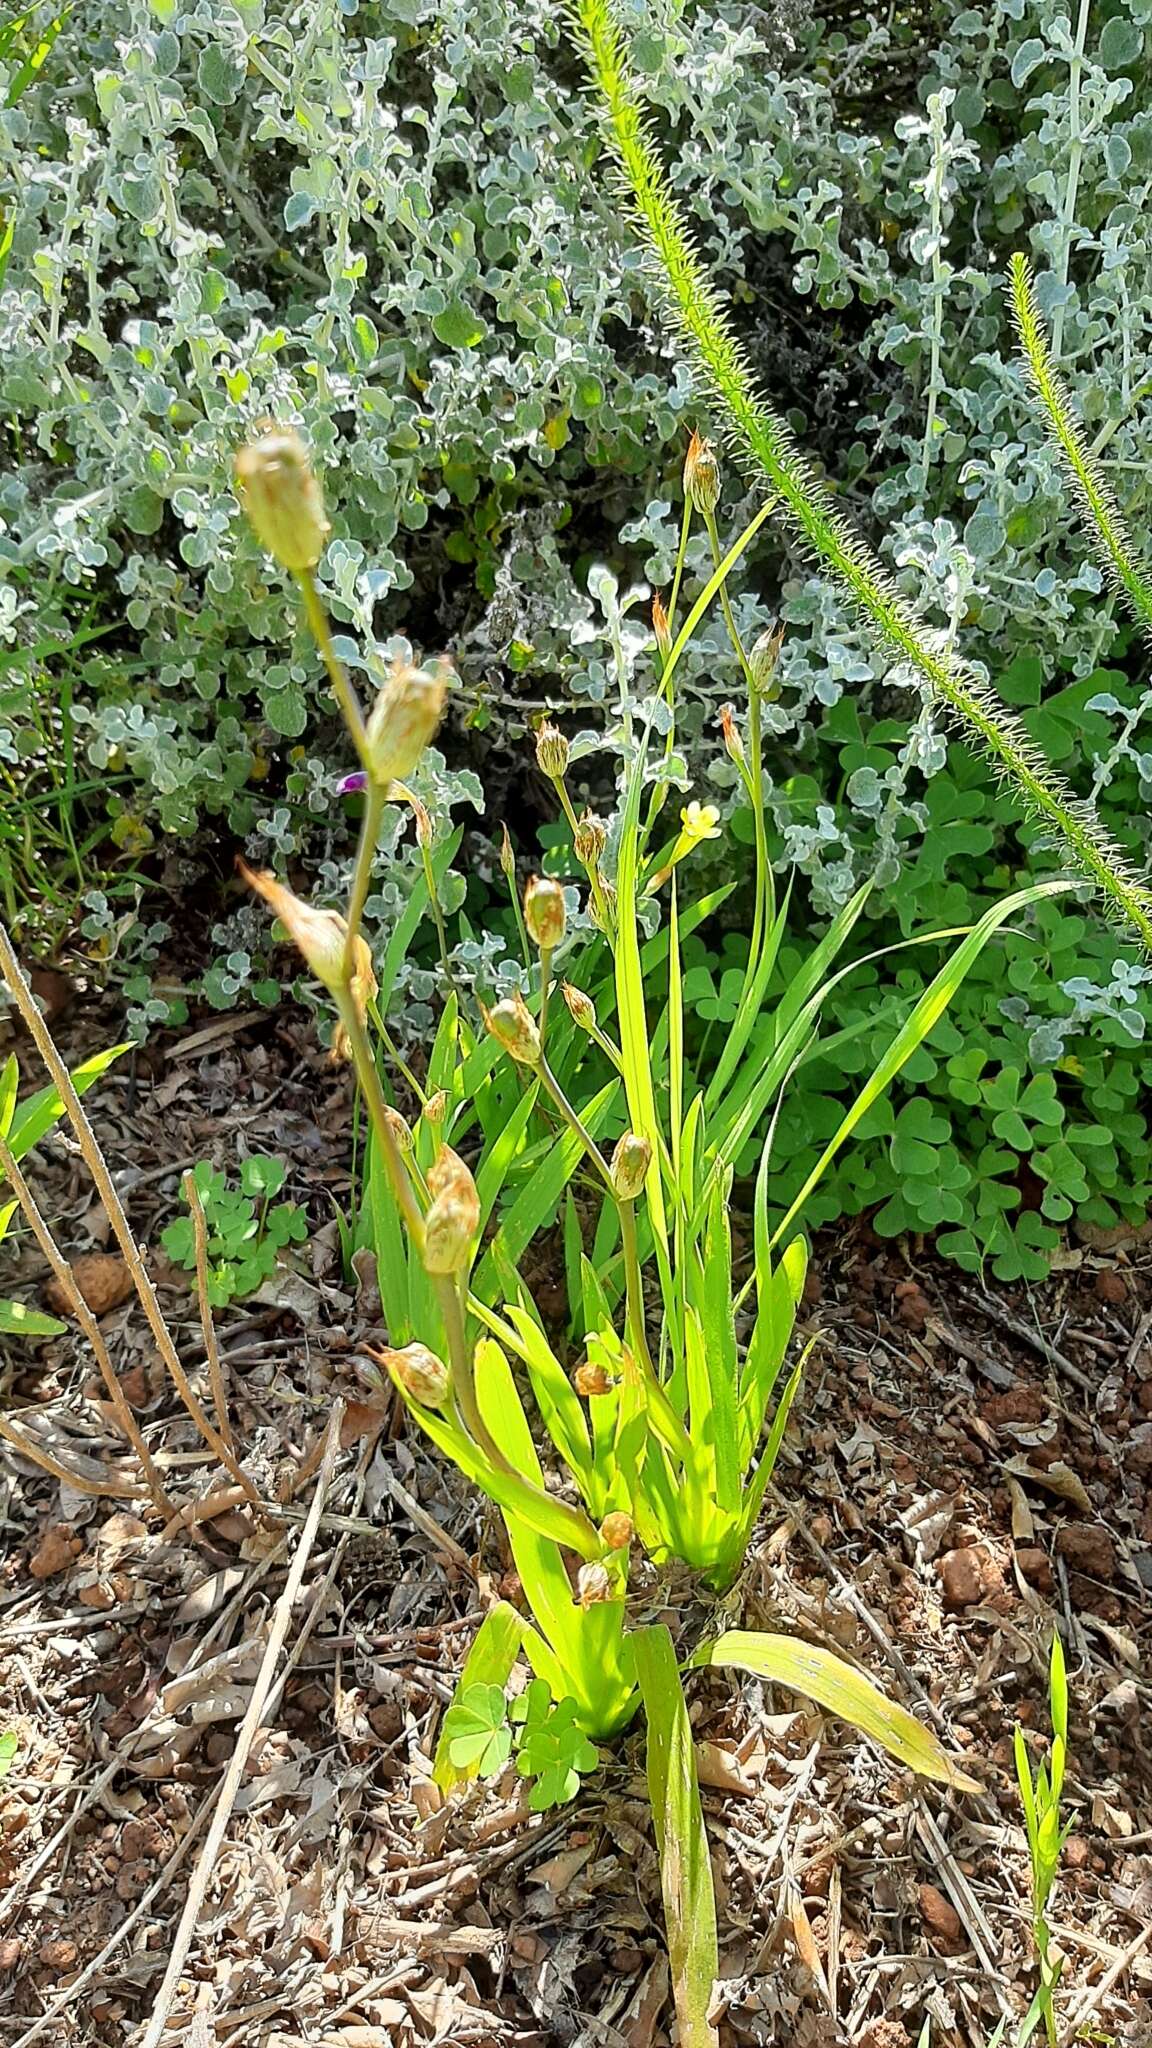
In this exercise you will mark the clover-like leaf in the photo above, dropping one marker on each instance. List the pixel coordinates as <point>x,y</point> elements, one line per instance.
<point>476,1730</point>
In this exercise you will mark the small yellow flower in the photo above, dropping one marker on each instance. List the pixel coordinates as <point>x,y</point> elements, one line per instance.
<point>699,822</point>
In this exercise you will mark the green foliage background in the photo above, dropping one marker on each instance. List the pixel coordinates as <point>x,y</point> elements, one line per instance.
<point>386,221</point>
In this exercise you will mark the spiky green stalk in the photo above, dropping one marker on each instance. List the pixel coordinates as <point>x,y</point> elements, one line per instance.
<point>762,443</point>
<point>1106,527</point>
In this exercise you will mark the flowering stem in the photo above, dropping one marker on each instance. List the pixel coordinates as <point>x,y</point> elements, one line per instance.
<point>590,867</point>
<point>552,1088</point>
<point>755,763</point>
<point>373,1094</point>
<point>342,689</point>
<point>634,1286</point>
<point>374,801</point>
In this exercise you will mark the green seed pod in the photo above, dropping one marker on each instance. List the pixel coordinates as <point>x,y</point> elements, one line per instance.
<point>421,1374</point>
<point>702,475</point>
<point>764,661</point>
<point>581,1008</point>
<point>544,912</point>
<point>453,1220</point>
<point>552,751</point>
<point>282,499</point>
<point>513,1026</point>
<point>630,1163</point>
<point>407,710</point>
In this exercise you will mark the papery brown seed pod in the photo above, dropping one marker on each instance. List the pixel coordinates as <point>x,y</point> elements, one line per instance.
<point>581,1008</point>
<point>513,1026</point>
<point>320,935</point>
<point>590,839</point>
<point>734,745</point>
<point>630,1163</point>
<point>401,1130</point>
<point>421,1374</point>
<point>552,751</point>
<point>617,1531</point>
<point>590,1380</point>
<point>407,711</point>
<point>453,1219</point>
<point>545,914</point>
<point>593,1585</point>
<point>603,919</point>
<point>282,499</point>
<point>434,1108</point>
<point>764,660</point>
<point>702,475</point>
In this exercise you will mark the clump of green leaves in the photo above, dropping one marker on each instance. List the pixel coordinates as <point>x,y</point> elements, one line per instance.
<point>483,1729</point>
<point>1040,1793</point>
<point>248,1230</point>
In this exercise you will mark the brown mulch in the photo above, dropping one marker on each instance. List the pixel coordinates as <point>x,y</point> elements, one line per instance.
<point>965,1470</point>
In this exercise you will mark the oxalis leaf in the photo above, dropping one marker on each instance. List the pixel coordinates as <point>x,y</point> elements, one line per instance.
<point>833,1684</point>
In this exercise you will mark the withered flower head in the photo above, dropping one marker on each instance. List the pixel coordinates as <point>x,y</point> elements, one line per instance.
<point>630,1163</point>
<point>408,708</point>
<point>617,1531</point>
<point>453,1220</point>
<point>545,914</point>
<point>702,475</point>
<point>419,1372</point>
<point>552,751</point>
<point>282,499</point>
<point>513,1026</point>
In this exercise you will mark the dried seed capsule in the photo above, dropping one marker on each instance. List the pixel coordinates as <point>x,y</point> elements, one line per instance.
<point>608,893</point>
<point>590,1380</point>
<point>282,499</point>
<point>630,1163</point>
<point>581,1007</point>
<point>544,912</point>
<point>401,1130</point>
<point>434,1108</point>
<point>617,1531</point>
<point>552,751</point>
<point>407,710</point>
<point>590,839</point>
<point>765,659</point>
<point>321,936</point>
<point>593,1585</point>
<point>702,475</point>
<point>513,1026</point>
<point>454,1217</point>
<point>660,625</point>
<point>421,1374</point>
<point>733,744</point>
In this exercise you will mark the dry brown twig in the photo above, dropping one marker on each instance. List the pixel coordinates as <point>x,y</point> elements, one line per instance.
<point>91,1328</point>
<point>114,1209</point>
<point>206,1862</point>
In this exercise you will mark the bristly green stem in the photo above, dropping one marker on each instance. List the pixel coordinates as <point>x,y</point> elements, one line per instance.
<point>765,445</point>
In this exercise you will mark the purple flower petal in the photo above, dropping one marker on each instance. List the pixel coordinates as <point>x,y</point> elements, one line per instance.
<point>352,785</point>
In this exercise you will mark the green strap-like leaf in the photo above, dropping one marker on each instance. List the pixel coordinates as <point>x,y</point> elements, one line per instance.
<point>842,1690</point>
<point>685,1871</point>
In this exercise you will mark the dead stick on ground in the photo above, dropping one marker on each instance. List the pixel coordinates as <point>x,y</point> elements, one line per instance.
<point>206,1862</point>
<point>208,1327</point>
<point>113,1207</point>
<point>89,1325</point>
<point>1101,1990</point>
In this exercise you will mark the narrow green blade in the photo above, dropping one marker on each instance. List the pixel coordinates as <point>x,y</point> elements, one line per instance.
<point>685,1871</point>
